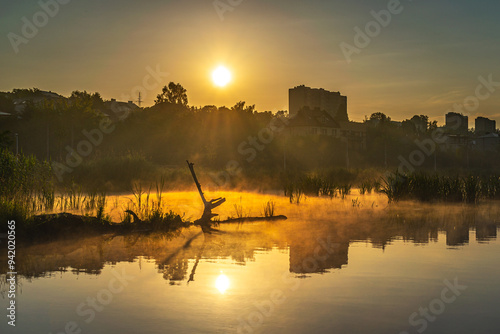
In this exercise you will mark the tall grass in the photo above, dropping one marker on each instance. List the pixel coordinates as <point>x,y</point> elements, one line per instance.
<point>297,186</point>
<point>434,187</point>
<point>366,188</point>
<point>25,186</point>
<point>27,189</point>
<point>269,209</point>
<point>75,199</point>
<point>151,210</point>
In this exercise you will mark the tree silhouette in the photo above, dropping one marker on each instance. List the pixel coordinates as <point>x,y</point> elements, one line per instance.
<point>174,93</point>
<point>5,140</point>
<point>379,116</point>
<point>240,106</point>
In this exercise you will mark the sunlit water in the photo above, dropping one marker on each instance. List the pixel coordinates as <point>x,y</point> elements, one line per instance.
<point>335,266</point>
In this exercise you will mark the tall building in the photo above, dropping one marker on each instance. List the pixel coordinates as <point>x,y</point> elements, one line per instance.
<point>485,125</point>
<point>457,123</point>
<point>314,98</point>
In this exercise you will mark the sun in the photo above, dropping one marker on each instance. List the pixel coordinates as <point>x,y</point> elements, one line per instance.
<point>221,76</point>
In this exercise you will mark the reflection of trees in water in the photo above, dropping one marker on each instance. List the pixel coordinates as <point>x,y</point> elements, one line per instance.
<point>5,286</point>
<point>314,246</point>
<point>176,270</point>
<point>485,233</point>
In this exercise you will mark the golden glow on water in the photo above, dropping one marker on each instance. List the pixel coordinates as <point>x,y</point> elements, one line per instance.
<point>188,203</point>
<point>222,283</point>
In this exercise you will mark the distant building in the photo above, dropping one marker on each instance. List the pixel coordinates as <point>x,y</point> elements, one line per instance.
<point>454,142</point>
<point>484,126</point>
<point>331,102</point>
<point>487,142</point>
<point>310,122</point>
<point>457,123</point>
<point>37,98</point>
<point>118,110</point>
<point>315,121</point>
<point>300,253</point>
<point>354,134</point>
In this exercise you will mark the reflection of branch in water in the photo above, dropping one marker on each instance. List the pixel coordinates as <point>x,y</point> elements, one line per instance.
<point>185,246</point>
<point>200,253</point>
<point>198,257</point>
<point>173,269</point>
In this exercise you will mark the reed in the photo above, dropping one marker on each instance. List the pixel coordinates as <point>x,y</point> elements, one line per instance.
<point>344,190</point>
<point>446,188</point>
<point>366,188</point>
<point>26,186</point>
<point>297,186</point>
<point>150,211</point>
<point>269,209</point>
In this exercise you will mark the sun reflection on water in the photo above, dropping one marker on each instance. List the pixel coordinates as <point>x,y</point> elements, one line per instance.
<point>222,283</point>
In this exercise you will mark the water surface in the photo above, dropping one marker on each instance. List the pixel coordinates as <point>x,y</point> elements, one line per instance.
<point>335,266</point>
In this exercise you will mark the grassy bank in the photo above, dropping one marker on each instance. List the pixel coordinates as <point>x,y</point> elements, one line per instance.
<point>30,195</point>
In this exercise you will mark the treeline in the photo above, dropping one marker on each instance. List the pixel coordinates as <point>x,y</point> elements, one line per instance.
<point>88,140</point>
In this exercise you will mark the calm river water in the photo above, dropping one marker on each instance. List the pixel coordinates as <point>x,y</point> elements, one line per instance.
<point>356,265</point>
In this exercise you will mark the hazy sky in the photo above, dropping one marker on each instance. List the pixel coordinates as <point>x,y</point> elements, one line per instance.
<point>426,59</point>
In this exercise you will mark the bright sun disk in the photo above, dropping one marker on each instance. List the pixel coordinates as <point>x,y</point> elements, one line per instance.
<point>221,76</point>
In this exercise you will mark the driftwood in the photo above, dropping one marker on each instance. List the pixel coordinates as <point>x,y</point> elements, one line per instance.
<point>206,219</point>
<point>252,219</point>
<point>209,205</point>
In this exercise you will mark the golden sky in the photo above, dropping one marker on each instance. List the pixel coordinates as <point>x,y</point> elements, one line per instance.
<point>421,59</point>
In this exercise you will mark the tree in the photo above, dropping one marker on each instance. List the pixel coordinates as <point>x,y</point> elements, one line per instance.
<point>5,140</point>
<point>281,113</point>
<point>408,127</point>
<point>379,116</point>
<point>26,93</point>
<point>208,109</point>
<point>6,103</point>
<point>433,126</point>
<point>421,123</point>
<point>93,101</point>
<point>240,106</point>
<point>174,93</point>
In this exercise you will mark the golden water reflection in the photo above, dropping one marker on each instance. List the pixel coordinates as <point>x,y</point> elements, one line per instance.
<point>317,237</point>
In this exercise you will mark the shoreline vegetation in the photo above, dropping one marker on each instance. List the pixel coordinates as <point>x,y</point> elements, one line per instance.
<point>30,194</point>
